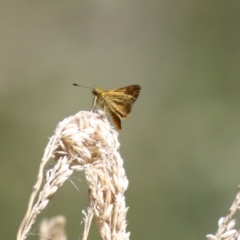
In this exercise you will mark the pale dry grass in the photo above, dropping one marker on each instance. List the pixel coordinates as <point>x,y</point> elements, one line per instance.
<point>84,142</point>
<point>227,225</point>
<point>53,228</point>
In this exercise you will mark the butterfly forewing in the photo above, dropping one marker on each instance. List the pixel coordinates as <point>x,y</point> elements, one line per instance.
<point>126,95</point>
<point>132,90</point>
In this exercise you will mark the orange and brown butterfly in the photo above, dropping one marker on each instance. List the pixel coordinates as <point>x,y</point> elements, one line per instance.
<point>118,102</point>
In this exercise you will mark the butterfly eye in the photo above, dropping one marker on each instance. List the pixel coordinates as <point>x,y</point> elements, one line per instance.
<point>94,92</point>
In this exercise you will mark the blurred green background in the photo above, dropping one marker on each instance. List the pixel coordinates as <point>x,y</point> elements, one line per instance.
<point>180,144</point>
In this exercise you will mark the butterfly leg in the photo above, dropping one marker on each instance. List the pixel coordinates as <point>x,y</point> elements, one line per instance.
<point>105,109</point>
<point>94,103</point>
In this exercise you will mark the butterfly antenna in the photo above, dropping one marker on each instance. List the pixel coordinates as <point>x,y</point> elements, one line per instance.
<point>77,85</point>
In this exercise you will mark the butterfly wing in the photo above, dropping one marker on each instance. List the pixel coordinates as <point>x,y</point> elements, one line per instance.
<point>132,90</point>
<point>119,102</point>
<point>116,120</point>
<point>122,99</point>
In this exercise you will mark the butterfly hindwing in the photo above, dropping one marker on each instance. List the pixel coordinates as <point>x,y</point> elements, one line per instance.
<point>116,120</point>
